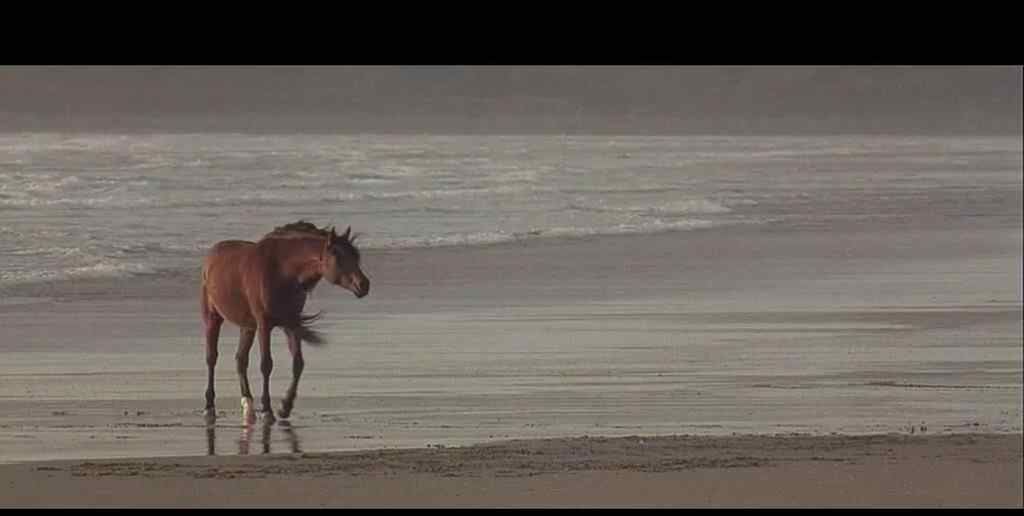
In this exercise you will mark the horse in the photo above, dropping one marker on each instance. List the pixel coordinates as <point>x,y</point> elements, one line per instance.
<point>259,286</point>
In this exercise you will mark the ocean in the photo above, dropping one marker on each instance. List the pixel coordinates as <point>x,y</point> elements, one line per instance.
<point>80,206</point>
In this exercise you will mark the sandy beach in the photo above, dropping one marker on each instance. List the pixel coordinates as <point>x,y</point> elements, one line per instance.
<point>847,373</point>
<point>761,471</point>
<point>831,322</point>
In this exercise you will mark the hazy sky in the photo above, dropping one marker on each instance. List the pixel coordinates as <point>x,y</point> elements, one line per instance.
<point>616,99</point>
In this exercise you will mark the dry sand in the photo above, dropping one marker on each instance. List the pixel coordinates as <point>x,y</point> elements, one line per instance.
<point>882,470</point>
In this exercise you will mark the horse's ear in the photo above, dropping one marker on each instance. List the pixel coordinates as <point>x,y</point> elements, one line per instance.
<point>331,236</point>
<point>347,233</point>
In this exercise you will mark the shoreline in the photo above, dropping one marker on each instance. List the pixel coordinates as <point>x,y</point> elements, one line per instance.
<point>679,470</point>
<point>181,282</point>
<point>831,333</point>
<point>851,331</point>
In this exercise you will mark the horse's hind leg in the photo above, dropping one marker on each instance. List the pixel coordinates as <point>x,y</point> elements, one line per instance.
<point>213,322</point>
<point>245,339</point>
<point>295,346</point>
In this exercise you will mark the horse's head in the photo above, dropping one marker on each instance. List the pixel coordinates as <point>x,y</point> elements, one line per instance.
<point>341,264</point>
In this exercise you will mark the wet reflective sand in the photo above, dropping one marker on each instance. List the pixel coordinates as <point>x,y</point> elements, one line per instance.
<point>841,331</point>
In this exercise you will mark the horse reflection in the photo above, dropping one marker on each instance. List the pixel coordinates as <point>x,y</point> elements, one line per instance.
<point>245,438</point>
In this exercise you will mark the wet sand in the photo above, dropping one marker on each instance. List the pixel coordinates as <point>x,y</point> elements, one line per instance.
<point>747,330</point>
<point>762,332</point>
<point>828,471</point>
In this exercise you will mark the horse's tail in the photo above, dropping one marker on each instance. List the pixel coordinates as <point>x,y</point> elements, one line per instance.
<point>308,334</point>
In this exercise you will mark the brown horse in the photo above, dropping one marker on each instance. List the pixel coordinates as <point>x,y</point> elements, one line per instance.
<point>262,285</point>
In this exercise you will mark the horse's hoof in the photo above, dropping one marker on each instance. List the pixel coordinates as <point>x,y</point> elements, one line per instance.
<point>284,411</point>
<point>267,417</point>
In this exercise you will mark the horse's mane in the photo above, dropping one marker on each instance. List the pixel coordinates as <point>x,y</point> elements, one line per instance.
<point>297,230</point>
<point>302,228</point>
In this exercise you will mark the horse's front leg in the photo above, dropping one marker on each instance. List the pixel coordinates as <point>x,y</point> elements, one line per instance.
<point>266,366</point>
<point>295,346</point>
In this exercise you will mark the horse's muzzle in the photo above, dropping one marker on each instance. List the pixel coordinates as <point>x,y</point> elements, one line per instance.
<point>364,289</point>
<point>359,287</point>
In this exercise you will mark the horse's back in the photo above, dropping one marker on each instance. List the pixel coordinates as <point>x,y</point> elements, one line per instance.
<point>224,251</point>
<point>229,246</point>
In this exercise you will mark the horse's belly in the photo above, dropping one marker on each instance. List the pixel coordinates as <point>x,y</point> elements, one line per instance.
<point>240,317</point>
<point>233,308</point>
